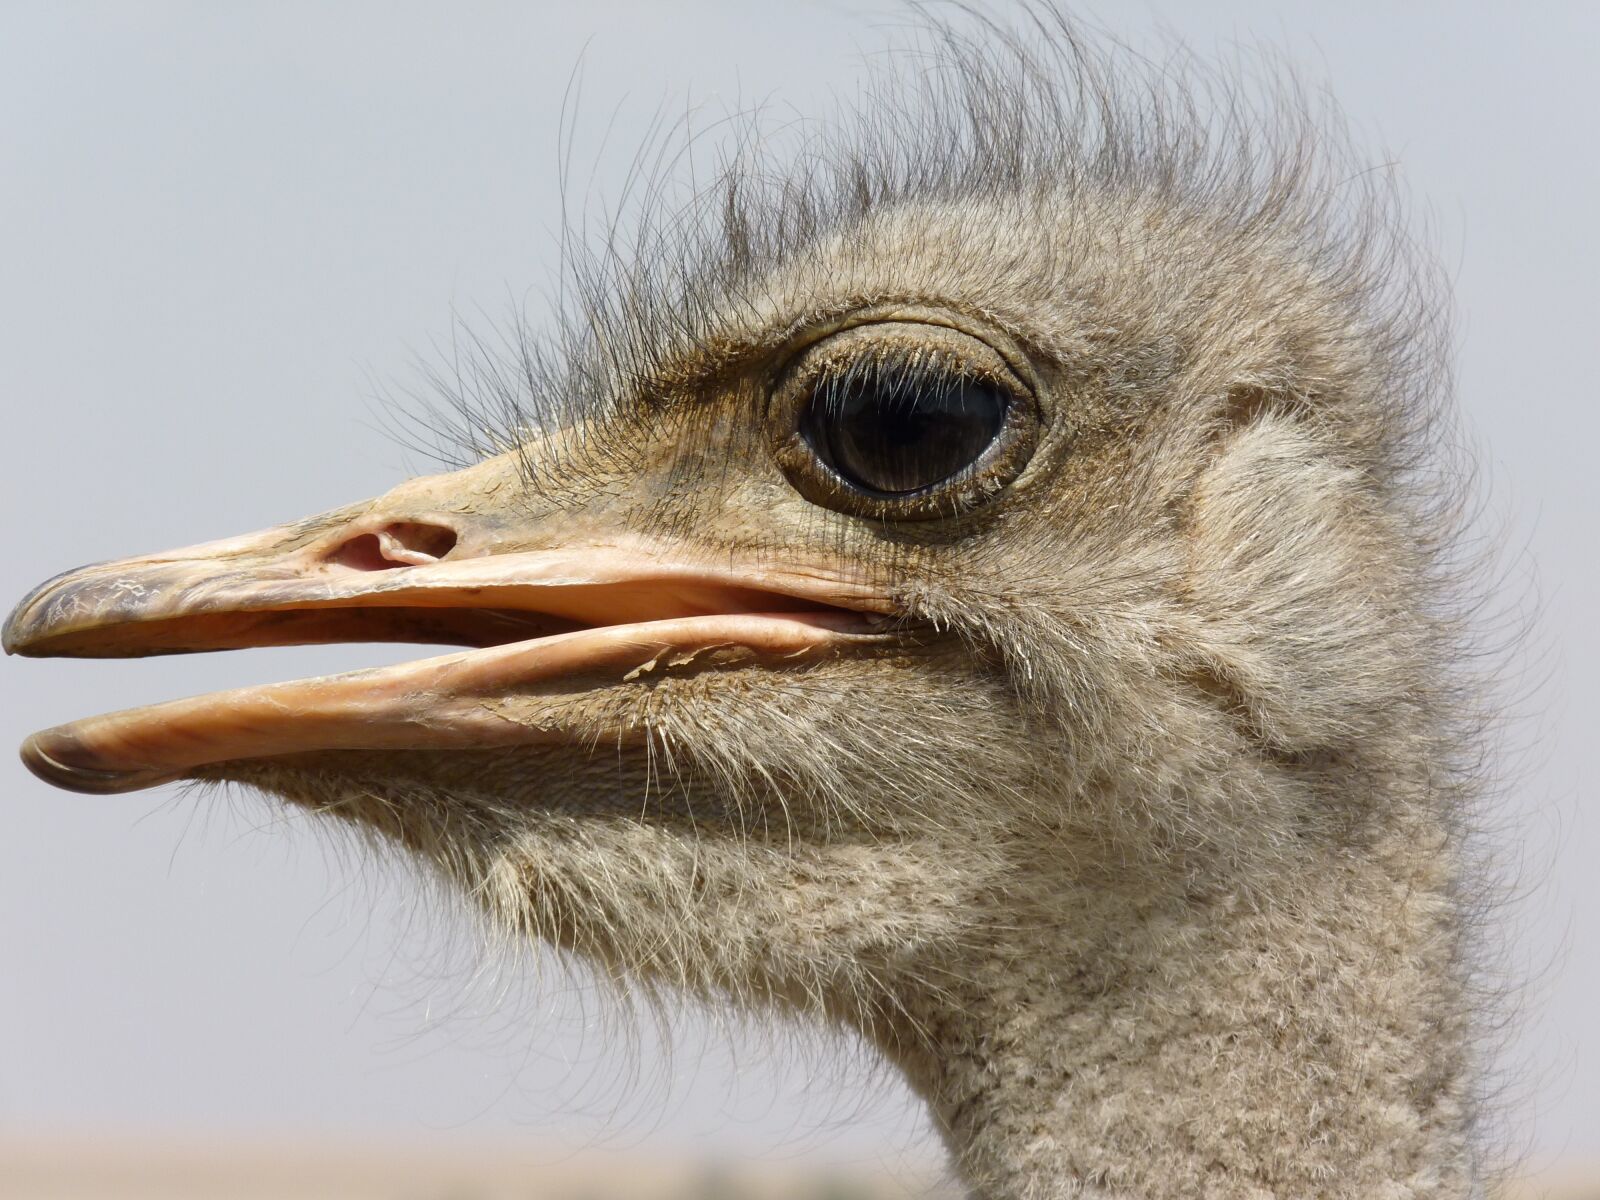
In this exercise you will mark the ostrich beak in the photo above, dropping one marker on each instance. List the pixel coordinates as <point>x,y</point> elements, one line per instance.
<point>545,616</point>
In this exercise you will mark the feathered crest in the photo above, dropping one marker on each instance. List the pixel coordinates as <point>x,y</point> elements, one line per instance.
<point>1034,116</point>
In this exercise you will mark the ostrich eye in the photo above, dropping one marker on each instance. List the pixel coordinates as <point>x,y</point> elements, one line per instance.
<point>896,432</point>
<point>904,420</point>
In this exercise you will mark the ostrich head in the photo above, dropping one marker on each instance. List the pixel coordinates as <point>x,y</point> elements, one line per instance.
<point>975,583</point>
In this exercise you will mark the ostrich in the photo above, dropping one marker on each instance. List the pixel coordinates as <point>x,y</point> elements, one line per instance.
<point>984,581</point>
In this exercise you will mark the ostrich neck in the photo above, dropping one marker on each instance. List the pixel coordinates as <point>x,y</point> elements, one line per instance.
<point>1162,1043</point>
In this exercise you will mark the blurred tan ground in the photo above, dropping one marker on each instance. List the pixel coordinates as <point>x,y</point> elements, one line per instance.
<point>129,1168</point>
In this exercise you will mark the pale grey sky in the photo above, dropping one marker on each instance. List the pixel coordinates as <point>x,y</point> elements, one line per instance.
<point>220,223</point>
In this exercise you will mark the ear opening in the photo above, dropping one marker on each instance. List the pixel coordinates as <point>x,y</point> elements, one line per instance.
<point>1245,404</point>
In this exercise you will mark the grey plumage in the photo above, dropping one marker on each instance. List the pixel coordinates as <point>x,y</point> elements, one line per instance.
<point>1136,836</point>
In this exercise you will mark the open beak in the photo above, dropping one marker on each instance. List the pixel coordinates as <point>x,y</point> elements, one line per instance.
<point>542,620</point>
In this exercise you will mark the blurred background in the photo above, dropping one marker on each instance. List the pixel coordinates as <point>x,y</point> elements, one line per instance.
<point>227,230</point>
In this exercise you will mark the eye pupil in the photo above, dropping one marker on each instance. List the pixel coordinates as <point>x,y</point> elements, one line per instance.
<point>892,434</point>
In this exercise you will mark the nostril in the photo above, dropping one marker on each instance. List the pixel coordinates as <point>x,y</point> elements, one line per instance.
<point>401,544</point>
<point>417,538</point>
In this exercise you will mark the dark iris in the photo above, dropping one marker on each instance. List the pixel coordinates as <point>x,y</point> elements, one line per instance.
<point>893,432</point>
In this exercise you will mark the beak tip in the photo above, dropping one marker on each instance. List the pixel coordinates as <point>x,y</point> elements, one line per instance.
<point>13,635</point>
<point>33,616</point>
<point>62,760</point>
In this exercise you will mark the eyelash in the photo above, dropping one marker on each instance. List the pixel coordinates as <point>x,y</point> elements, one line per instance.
<point>910,371</point>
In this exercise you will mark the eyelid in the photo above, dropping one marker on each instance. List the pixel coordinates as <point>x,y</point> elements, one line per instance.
<point>1003,340</point>
<point>911,341</point>
<point>930,370</point>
